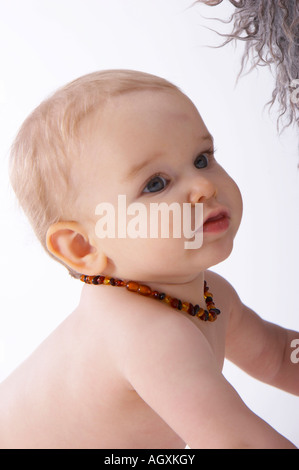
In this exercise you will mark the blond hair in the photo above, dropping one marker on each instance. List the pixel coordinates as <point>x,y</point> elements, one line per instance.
<point>42,153</point>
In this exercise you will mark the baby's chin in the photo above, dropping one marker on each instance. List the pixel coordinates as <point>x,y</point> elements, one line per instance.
<point>170,266</point>
<point>213,255</point>
<point>223,255</point>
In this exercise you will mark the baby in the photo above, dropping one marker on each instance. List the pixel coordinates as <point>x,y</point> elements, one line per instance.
<point>138,363</point>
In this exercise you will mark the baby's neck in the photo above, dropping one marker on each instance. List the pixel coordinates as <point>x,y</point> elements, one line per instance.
<point>191,291</point>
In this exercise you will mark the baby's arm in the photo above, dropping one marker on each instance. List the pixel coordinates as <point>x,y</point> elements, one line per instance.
<point>261,348</point>
<point>170,364</point>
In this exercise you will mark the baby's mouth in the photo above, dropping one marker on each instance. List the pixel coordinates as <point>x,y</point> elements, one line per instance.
<point>216,222</point>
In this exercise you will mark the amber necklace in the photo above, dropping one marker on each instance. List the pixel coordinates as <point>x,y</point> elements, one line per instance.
<point>210,314</point>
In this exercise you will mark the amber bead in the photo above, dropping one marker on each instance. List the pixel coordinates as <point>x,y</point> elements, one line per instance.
<point>196,309</point>
<point>191,310</point>
<point>200,312</point>
<point>167,299</point>
<point>155,294</point>
<point>185,306</point>
<point>208,294</point>
<point>214,310</point>
<point>212,316</point>
<point>132,286</point>
<point>205,316</point>
<point>174,303</point>
<point>106,281</point>
<point>144,290</point>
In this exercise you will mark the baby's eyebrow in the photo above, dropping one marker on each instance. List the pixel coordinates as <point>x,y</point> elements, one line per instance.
<point>135,169</point>
<point>208,137</point>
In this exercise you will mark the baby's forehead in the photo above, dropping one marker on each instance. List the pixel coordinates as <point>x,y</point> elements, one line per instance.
<point>139,109</point>
<point>148,99</point>
<point>142,121</point>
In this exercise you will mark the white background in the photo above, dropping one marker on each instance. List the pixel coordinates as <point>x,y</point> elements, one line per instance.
<point>46,43</point>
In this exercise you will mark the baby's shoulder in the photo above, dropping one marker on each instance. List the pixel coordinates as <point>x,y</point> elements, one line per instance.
<point>224,294</point>
<point>133,322</point>
<point>219,285</point>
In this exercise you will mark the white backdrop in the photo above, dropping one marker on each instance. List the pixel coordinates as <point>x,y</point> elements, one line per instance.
<point>46,43</point>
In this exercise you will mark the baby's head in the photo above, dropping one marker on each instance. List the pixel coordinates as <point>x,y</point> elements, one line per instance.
<point>126,133</point>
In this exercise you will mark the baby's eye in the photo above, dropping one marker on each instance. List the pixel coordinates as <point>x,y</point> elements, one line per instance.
<point>156,184</point>
<point>201,161</point>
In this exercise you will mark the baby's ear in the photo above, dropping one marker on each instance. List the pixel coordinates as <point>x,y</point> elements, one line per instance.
<point>69,242</point>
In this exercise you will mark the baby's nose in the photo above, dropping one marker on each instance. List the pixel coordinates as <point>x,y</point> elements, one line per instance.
<point>201,190</point>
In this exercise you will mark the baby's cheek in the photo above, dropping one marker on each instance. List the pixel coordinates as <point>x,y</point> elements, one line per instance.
<point>238,200</point>
<point>231,191</point>
<point>158,255</point>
